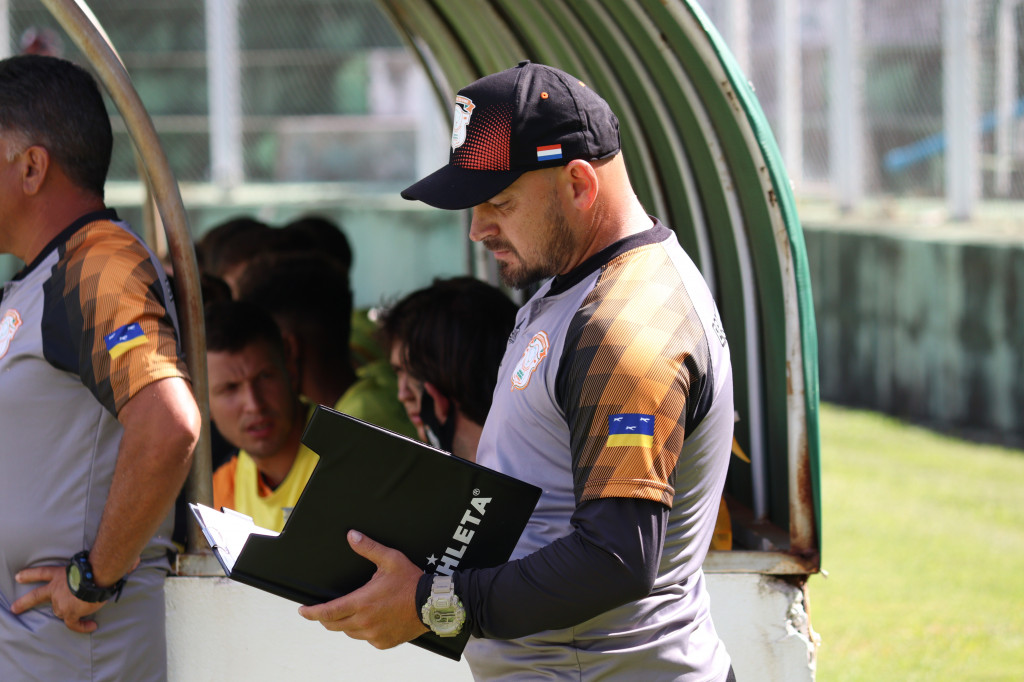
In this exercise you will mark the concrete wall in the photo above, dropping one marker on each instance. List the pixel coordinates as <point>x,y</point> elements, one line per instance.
<point>926,325</point>
<point>221,630</point>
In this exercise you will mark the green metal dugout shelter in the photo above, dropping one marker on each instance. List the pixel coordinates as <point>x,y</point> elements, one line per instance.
<point>701,157</point>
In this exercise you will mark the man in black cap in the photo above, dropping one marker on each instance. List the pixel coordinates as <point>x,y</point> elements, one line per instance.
<point>614,396</point>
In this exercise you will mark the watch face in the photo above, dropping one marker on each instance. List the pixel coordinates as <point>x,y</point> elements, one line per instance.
<point>74,577</point>
<point>444,624</point>
<point>443,620</point>
<point>448,621</point>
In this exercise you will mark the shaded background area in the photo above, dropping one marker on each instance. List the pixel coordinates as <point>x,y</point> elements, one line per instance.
<point>329,113</point>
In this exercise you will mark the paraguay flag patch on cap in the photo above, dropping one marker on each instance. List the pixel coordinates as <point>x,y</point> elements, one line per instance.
<point>124,339</point>
<point>549,152</point>
<point>631,429</point>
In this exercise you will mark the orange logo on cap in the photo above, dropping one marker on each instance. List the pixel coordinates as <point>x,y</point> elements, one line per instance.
<point>9,324</point>
<point>463,111</point>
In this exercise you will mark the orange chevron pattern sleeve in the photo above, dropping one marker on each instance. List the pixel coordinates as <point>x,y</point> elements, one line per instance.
<point>128,339</point>
<point>637,358</point>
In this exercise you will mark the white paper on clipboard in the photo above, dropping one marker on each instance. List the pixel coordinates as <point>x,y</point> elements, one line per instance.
<point>227,532</point>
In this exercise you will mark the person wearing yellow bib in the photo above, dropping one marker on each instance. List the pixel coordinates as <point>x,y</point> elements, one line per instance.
<point>255,403</point>
<point>240,485</point>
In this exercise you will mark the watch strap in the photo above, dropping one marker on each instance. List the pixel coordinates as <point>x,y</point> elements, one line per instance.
<point>423,592</point>
<point>442,586</point>
<point>81,581</point>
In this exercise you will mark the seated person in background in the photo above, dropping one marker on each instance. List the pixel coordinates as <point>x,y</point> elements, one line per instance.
<point>446,342</point>
<point>323,235</point>
<point>255,403</point>
<point>226,249</point>
<point>317,233</point>
<point>308,295</point>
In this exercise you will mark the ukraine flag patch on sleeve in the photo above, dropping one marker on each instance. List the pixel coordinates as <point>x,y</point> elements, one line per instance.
<point>124,339</point>
<point>631,430</point>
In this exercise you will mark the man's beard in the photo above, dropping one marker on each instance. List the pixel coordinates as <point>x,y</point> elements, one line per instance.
<point>558,246</point>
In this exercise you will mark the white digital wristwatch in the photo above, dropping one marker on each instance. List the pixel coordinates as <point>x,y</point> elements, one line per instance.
<point>443,613</point>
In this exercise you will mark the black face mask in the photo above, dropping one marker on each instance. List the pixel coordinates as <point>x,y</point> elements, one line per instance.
<point>443,434</point>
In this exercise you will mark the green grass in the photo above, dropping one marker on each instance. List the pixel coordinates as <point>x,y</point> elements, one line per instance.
<point>924,548</point>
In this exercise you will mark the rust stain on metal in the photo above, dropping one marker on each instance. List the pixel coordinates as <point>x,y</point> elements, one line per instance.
<point>801,500</point>
<point>730,95</point>
<point>801,506</point>
<point>771,198</point>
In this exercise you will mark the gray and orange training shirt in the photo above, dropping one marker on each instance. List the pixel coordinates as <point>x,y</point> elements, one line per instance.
<point>83,329</point>
<point>615,398</point>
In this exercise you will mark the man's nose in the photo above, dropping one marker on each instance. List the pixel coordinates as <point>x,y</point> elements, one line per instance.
<point>482,226</point>
<point>251,399</point>
<point>404,390</point>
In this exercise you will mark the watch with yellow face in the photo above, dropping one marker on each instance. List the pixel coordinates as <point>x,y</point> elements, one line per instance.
<point>82,585</point>
<point>443,613</point>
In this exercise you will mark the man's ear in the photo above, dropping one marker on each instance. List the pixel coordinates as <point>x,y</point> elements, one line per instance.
<point>36,166</point>
<point>583,180</point>
<point>442,405</point>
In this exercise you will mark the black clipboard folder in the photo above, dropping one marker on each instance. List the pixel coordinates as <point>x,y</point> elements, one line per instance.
<point>442,512</point>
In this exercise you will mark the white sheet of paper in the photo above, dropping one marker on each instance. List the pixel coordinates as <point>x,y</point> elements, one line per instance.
<point>227,531</point>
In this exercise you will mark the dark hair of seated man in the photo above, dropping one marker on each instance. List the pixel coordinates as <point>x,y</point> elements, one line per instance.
<point>226,249</point>
<point>233,325</point>
<point>317,233</point>
<point>309,297</point>
<point>450,337</point>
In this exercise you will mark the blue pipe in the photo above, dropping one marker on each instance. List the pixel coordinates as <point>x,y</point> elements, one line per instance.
<point>899,159</point>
